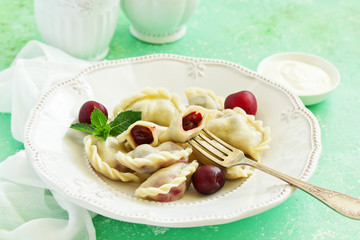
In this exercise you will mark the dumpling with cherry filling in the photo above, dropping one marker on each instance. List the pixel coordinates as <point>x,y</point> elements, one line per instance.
<point>142,132</point>
<point>186,125</point>
<point>102,157</point>
<point>146,159</point>
<point>168,184</point>
<point>156,105</point>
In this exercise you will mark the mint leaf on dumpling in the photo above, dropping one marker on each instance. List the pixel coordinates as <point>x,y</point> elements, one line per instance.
<point>102,133</point>
<point>123,120</point>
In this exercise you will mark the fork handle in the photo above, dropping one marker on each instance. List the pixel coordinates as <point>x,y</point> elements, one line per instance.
<point>343,203</point>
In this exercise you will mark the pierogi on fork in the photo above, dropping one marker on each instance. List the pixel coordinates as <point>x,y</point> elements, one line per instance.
<point>153,152</point>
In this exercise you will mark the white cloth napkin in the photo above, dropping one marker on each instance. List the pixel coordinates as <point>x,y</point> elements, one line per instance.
<point>28,208</point>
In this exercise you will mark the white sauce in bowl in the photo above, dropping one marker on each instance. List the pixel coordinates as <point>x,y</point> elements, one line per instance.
<point>301,77</point>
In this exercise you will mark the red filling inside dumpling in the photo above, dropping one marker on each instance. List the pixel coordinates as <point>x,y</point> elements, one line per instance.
<point>142,135</point>
<point>174,194</point>
<point>191,121</point>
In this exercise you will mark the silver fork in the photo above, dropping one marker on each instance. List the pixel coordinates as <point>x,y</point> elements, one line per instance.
<point>226,156</point>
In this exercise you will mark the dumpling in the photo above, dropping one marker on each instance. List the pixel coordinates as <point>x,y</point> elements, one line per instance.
<point>146,159</point>
<point>240,130</point>
<point>142,132</point>
<point>204,98</point>
<point>186,125</point>
<point>241,171</point>
<point>157,105</point>
<point>102,157</point>
<point>168,184</point>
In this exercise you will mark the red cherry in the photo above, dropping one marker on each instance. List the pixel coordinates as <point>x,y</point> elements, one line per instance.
<point>191,120</point>
<point>243,99</point>
<point>86,110</point>
<point>208,179</point>
<point>141,135</point>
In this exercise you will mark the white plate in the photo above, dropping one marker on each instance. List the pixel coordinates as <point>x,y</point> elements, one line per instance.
<point>58,157</point>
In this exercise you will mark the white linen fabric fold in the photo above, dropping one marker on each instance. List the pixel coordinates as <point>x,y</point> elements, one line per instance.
<point>29,208</point>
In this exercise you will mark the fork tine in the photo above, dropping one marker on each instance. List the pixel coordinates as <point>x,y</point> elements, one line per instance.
<point>224,144</point>
<point>213,145</point>
<point>195,144</point>
<point>206,144</point>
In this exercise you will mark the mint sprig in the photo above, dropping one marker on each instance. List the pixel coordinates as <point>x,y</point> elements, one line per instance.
<point>98,118</point>
<point>101,129</point>
<point>123,120</point>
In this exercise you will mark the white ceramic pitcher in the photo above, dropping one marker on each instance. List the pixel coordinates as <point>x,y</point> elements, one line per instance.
<point>82,28</point>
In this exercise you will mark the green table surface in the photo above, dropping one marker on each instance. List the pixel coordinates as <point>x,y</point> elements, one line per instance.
<point>245,32</point>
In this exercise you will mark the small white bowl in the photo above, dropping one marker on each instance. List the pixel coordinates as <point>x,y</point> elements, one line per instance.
<point>278,68</point>
<point>158,21</point>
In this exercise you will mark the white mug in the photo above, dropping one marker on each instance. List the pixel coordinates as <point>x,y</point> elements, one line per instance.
<point>82,28</point>
<point>158,21</point>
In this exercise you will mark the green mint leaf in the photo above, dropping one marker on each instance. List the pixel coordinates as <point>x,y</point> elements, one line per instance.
<point>101,129</point>
<point>102,135</point>
<point>98,118</point>
<point>102,132</point>
<point>83,127</point>
<point>123,120</point>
